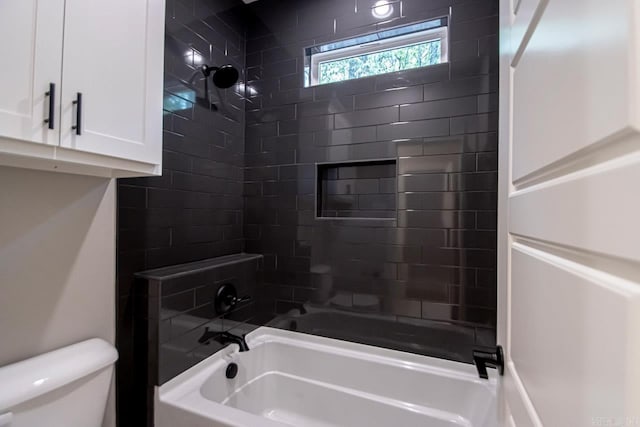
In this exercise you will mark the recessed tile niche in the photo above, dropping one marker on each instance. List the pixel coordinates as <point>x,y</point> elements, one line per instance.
<point>357,190</point>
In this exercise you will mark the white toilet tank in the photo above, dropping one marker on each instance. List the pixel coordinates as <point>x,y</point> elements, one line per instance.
<point>67,387</point>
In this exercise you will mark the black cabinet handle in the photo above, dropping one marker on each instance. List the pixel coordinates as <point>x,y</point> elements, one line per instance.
<point>52,105</point>
<point>78,104</point>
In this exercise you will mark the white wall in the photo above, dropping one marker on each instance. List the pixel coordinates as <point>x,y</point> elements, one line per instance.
<point>57,262</point>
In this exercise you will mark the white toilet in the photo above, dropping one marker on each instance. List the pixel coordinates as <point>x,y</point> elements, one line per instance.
<point>67,387</point>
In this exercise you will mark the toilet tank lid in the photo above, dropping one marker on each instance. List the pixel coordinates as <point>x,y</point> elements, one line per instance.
<point>25,380</point>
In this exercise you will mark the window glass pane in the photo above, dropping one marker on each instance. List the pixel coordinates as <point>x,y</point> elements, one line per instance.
<point>398,59</point>
<point>380,35</point>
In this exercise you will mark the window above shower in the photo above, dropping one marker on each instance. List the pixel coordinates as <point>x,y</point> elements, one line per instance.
<point>397,49</point>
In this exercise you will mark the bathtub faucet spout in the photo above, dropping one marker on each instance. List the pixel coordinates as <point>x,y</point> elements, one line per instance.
<point>482,359</point>
<point>224,338</point>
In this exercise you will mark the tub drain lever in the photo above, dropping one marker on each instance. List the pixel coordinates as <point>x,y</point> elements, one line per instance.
<point>482,359</point>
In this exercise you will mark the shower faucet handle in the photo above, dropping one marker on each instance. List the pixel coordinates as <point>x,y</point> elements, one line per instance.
<point>233,300</point>
<point>227,298</point>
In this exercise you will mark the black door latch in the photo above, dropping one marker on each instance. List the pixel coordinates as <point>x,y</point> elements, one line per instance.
<point>482,359</point>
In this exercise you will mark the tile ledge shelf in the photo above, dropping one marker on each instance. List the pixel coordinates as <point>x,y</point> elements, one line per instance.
<point>175,271</point>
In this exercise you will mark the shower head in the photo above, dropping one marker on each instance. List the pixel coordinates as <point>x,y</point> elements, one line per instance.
<point>223,77</point>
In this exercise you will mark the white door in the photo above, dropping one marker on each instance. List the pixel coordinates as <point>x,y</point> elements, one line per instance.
<point>113,57</point>
<point>31,59</point>
<point>569,281</point>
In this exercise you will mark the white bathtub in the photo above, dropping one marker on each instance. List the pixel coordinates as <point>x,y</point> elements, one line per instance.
<point>293,379</point>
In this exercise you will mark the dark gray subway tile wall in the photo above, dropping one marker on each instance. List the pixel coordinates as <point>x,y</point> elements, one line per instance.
<point>194,210</point>
<point>357,190</point>
<point>435,264</point>
<point>243,178</point>
<point>180,307</point>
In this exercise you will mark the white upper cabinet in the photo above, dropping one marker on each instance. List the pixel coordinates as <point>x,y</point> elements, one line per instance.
<point>105,62</point>
<point>30,48</point>
<point>113,56</point>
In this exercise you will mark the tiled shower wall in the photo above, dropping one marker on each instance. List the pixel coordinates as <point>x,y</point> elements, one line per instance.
<point>397,283</point>
<point>240,176</point>
<point>357,190</point>
<point>194,210</point>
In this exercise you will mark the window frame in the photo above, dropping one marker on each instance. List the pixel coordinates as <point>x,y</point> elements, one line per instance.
<point>382,45</point>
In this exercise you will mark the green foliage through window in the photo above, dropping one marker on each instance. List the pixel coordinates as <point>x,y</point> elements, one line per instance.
<point>387,61</point>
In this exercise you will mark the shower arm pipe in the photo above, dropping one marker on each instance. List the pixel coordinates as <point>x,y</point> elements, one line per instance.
<point>206,71</point>
<point>206,89</point>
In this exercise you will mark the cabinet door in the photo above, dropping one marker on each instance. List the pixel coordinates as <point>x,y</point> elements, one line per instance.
<point>113,55</point>
<point>31,52</point>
